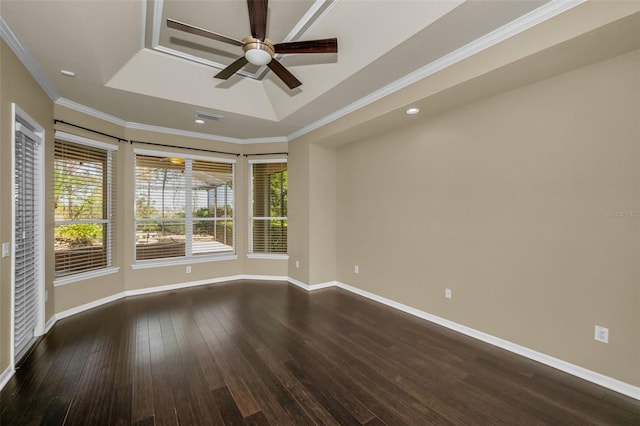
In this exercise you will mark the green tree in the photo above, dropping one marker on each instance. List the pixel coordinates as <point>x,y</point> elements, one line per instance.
<point>78,194</point>
<point>278,193</point>
<point>278,208</point>
<point>145,208</point>
<point>80,234</point>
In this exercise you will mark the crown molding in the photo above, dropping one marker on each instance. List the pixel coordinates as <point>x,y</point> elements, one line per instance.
<point>523,23</point>
<point>320,10</point>
<point>27,60</point>
<point>159,129</point>
<point>91,112</point>
<point>207,136</point>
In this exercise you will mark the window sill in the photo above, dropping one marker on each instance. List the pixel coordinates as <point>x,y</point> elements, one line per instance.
<point>144,264</point>
<point>82,276</point>
<point>268,256</point>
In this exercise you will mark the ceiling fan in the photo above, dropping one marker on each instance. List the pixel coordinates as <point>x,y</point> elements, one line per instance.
<point>258,49</point>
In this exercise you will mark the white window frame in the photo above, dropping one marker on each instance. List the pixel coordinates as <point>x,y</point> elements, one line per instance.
<point>251,254</point>
<point>109,268</point>
<point>189,258</point>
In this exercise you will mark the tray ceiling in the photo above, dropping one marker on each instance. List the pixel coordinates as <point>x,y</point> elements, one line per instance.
<point>129,65</point>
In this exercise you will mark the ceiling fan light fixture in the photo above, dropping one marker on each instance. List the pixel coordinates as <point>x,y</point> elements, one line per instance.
<point>257,52</point>
<point>257,56</point>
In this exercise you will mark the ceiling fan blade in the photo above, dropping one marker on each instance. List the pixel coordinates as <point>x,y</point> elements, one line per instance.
<point>187,28</point>
<point>231,69</point>
<point>258,18</point>
<point>327,45</point>
<point>284,74</point>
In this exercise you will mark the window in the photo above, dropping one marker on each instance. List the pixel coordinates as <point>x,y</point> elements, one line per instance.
<point>268,215</point>
<point>83,194</point>
<point>184,207</point>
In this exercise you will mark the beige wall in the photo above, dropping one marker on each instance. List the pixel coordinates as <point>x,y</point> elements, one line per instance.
<point>322,221</point>
<point>298,208</point>
<point>312,213</point>
<point>506,202</point>
<point>17,86</point>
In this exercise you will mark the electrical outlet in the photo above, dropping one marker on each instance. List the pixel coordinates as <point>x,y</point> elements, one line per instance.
<point>601,334</point>
<point>297,264</point>
<point>46,295</point>
<point>447,293</point>
<point>356,269</point>
<point>188,269</point>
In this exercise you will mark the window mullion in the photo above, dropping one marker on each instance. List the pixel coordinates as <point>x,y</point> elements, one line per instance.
<point>108,239</point>
<point>188,214</point>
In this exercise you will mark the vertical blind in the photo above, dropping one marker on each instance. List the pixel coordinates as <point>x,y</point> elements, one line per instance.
<point>27,169</point>
<point>184,207</point>
<point>269,207</point>
<point>83,197</point>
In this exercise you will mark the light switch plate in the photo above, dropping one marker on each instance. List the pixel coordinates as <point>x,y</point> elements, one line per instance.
<point>6,249</point>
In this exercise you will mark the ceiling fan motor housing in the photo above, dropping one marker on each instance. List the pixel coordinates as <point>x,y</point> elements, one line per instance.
<point>256,51</point>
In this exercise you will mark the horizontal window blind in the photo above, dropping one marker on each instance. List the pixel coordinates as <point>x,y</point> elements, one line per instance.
<point>83,197</point>
<point>184,207</point>
<point>268,207</point>
<point>26,261</point>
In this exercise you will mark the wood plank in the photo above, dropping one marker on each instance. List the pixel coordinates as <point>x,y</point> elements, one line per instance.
<point>228,408</point>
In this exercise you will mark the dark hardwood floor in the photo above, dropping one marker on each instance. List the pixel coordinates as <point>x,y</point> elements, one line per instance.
<point>260,353</point>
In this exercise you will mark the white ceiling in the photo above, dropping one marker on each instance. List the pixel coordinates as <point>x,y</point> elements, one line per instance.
<point>131,66</point>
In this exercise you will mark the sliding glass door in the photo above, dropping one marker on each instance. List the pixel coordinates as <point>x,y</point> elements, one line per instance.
<point>27,210</point>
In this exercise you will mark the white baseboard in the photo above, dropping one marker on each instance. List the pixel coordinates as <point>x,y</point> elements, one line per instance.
<point>90,305</point>
<point>5,376</point>
<point>320,286</point>
<point>264,277</point>
<point>583,373</point>
<point>311,287</point>
<point>50,324</point>
<point>298,283</point>
<point>149,290</point>
<point>177,286</point>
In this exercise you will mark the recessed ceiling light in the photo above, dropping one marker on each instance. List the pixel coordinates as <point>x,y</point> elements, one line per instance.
<point>412,111</point>
<point>199,121</point>
<point>68,73</point>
